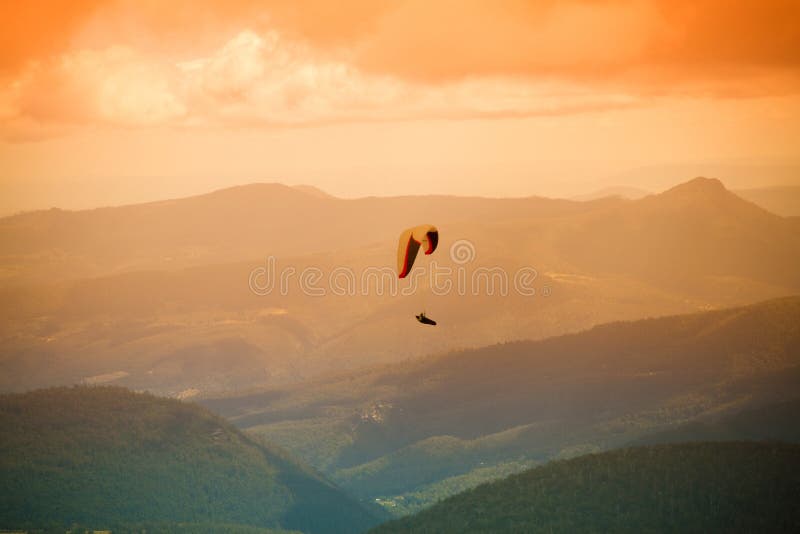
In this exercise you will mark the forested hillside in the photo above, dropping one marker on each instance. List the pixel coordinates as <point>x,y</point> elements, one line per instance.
<point>701,487</point>
<point>107,457</point>
<point>410,434</point>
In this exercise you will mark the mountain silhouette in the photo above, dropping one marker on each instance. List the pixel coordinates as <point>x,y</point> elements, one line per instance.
<point>169,282</point>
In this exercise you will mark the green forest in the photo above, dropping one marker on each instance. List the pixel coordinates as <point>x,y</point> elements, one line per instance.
<point>697,487</point>
<point>106,457</point>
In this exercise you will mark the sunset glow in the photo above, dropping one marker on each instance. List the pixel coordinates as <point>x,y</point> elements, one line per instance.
<point>398,266</point>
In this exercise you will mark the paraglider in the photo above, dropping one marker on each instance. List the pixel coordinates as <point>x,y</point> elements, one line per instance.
<point>425,320</point>
<point>425,236</point>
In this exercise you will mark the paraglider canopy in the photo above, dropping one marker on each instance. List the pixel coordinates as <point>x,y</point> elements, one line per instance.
<point>425,236</point>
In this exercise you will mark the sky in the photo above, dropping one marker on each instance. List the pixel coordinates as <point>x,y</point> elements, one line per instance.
<point>106,102</point>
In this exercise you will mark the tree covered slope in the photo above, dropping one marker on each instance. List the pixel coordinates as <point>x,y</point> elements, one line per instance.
<point>699,487</point>
<point>104,456</point>
<point>391,432</point>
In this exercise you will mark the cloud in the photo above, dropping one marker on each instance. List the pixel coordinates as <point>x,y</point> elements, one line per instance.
<point>113,86</point>
<point>279,62</point>
<point>638,43</point>
<point>233,69</point>
<point>450,40</point>
<point>35,29</point>
<point>257,79</point>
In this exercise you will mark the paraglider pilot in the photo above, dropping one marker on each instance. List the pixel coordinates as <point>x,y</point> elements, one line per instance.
<point>422,318</point>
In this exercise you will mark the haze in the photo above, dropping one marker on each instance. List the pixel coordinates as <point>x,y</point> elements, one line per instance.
<point>204,326</point>
<point>114,102</point>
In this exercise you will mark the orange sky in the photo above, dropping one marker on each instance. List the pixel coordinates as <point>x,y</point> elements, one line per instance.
<point>105,102</point>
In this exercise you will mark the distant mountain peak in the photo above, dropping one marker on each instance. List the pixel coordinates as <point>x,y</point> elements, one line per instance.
<point>699,185</point>
<point>710,195</point>
<point>269,189</point>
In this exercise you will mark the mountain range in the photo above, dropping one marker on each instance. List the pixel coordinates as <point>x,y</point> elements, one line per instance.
<point>410,433</point>
<point>165,296</point>
<point>780,200</point>
<point>633,325</point>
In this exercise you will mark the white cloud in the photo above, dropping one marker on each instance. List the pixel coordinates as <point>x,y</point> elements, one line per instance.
<point>258,80</point>
<point>234,68</point>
